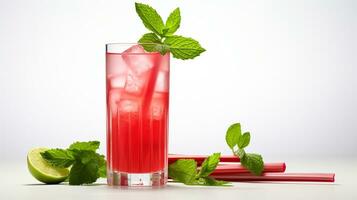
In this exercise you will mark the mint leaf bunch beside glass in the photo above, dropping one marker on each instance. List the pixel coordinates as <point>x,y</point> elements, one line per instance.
<point>86,165</point>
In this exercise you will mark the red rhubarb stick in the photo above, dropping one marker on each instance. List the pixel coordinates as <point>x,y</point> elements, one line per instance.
<point>292,177</point>
<point>200,158</point>
<point>236,168</point>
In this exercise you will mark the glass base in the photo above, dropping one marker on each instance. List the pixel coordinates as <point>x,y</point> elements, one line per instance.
<point>155,179</point>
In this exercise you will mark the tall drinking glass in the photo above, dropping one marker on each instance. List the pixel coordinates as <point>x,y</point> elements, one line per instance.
<point>137,115</point>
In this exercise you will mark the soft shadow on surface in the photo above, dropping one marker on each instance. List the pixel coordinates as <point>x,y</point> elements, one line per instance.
<point>37,184</point>
<point>290,183</point>
<point>167,188</point>
<point>42,184</point>
<point>234,186</point>
<point>170,186</point>
<point>178,186</point>
<point>95,184</point>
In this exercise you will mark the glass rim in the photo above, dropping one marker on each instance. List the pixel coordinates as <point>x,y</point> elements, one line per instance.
<point>128,45</point>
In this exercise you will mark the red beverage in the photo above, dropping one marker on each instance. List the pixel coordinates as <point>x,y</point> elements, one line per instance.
<point>137,116</point>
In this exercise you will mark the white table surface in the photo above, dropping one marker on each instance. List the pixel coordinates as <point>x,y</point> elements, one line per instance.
<point>17,183</point>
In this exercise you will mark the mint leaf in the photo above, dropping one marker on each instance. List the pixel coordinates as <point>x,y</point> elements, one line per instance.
<point>84,173</point>
<point>87,168</point>
<point>151,43</point>
<point>149,16</point>
<point>102,164</point>
<point>149,38</point>
<point>209,181</point>
<point>233,134</point>
<point>172,22</point>
<point>209,165</point>
<point>244,140</point>
<point>58,157</point>
<point>85,156</point>
<point>253,162</point>
<point>90,146</point>
<point>183,170</point>
<point>183,47</point>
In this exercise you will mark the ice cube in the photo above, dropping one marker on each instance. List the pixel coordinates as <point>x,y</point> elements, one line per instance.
<point>165,63</point>
<point>135,49</point>
<point>116,71</point>
<point>128,106</point>
<point>117,81</point>
<point>134,84</point>
<point>137,60</point>
<point>157,106</point>
<point>115,65</point>
<point>162,82</point>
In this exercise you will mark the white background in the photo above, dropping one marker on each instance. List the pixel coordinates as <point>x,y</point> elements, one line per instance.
<point>285,69</point>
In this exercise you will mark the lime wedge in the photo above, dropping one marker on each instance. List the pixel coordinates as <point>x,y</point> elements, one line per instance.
<point>43,171</point>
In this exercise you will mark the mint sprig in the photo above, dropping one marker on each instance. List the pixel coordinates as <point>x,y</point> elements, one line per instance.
<point>186,171</point>
<point>237,142</point>
<point>162,38</point>
<point>86,165</point>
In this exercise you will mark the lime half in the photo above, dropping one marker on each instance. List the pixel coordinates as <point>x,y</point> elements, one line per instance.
<point>43,171</point>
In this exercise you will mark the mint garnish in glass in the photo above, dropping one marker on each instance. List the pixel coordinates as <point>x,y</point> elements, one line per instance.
<point>162,38</point>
